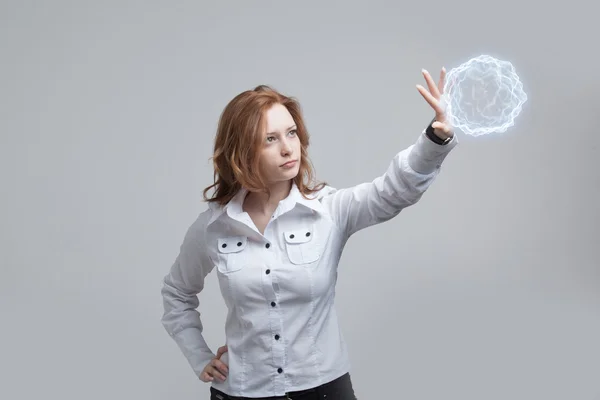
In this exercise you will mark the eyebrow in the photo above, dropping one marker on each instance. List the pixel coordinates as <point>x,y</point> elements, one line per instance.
<point>288,129</point>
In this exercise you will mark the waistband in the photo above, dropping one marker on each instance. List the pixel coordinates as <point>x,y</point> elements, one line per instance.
<point>318,391</point>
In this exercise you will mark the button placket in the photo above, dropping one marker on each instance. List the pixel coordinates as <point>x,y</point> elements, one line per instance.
<point>275,322</point>
<point>274,313</point>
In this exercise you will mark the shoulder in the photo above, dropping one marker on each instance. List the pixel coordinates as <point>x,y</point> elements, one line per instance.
<point>324,192</point>
<point>197,229</point>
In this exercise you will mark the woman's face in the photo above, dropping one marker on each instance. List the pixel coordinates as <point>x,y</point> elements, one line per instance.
<point>281,150</point>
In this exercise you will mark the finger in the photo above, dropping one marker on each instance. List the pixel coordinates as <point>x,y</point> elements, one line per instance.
<point>221,366</point>
<point>211,373</point>
<point>430,99</point>
<point>431,84</point>
<point>205,376</point>
<point>442,81</point>
<point>221,351</point>
<point>216,374</point>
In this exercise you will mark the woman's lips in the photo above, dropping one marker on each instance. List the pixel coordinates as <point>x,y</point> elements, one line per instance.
<point>289,164</point>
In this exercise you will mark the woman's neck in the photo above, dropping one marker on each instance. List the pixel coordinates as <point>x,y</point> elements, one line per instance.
<point>259,202</point>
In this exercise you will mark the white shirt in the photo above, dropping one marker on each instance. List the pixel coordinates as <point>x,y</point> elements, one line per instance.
<point>282,330</point>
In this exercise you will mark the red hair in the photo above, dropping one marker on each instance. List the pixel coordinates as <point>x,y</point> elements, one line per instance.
<point>239,138</point>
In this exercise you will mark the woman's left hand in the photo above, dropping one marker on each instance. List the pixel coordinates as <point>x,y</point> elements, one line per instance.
<point>441,127</point>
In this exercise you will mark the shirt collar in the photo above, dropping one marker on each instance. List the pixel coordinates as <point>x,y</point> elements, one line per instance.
<point>235,206</point>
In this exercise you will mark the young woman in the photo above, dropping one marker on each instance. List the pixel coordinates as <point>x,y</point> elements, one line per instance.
<point>275,239</point>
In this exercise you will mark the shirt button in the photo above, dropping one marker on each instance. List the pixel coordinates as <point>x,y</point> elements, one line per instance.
<point>279,370</point>
<point>276,337</point>
<point>268,271</point>
<point>267,245</point>
<point>273,304</point>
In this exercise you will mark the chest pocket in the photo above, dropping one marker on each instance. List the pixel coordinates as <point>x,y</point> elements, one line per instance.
<point>301,245</point>
<point>231,253</point>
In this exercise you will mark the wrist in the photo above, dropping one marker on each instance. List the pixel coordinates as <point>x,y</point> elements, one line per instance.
<point>431,135</point>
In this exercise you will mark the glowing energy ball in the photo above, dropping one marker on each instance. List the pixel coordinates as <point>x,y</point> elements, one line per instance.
<point>482,96</point>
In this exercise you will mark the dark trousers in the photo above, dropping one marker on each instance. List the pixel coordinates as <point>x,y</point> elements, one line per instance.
<point>338,389</point>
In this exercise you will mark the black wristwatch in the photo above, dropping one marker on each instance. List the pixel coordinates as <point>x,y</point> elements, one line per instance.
<point>435,138</point>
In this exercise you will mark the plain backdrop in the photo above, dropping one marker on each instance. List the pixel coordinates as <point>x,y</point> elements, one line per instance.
<point>488,288</point>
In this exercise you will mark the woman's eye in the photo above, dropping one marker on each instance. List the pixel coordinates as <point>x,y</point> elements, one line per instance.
<point>293,132</point>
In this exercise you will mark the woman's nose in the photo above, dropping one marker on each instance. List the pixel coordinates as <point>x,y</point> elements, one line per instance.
<point>286,148</point>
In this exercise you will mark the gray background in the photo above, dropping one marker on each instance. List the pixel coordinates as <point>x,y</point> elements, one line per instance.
<point>487,289</point>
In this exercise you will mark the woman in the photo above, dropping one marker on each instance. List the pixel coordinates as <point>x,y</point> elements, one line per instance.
<point>275,240</point>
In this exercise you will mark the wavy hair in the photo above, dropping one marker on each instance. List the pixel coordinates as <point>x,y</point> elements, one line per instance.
<point>239,137</point>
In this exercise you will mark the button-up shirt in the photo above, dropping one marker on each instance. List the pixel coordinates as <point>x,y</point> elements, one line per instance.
<point>282,329</point>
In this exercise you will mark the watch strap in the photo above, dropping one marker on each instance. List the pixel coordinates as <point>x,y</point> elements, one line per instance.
<point>433,137</point>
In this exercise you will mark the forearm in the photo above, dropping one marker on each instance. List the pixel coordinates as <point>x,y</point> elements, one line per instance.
<point>427,154</point>
<point>408,176</point>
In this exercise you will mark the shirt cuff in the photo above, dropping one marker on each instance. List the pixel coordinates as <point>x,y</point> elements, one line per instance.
<point>426,157</point>
<point>194,348</point>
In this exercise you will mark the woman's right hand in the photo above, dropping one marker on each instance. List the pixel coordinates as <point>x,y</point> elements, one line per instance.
<point>215,369</point>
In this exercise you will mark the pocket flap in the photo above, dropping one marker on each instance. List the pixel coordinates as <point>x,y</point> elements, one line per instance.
<point>232,244</point>
<point>301,235</point>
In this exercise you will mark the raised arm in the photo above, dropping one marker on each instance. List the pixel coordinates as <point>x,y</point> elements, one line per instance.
<point>408,176</point>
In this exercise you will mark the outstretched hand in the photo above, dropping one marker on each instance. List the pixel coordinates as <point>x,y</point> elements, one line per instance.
<point>441,127</point>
